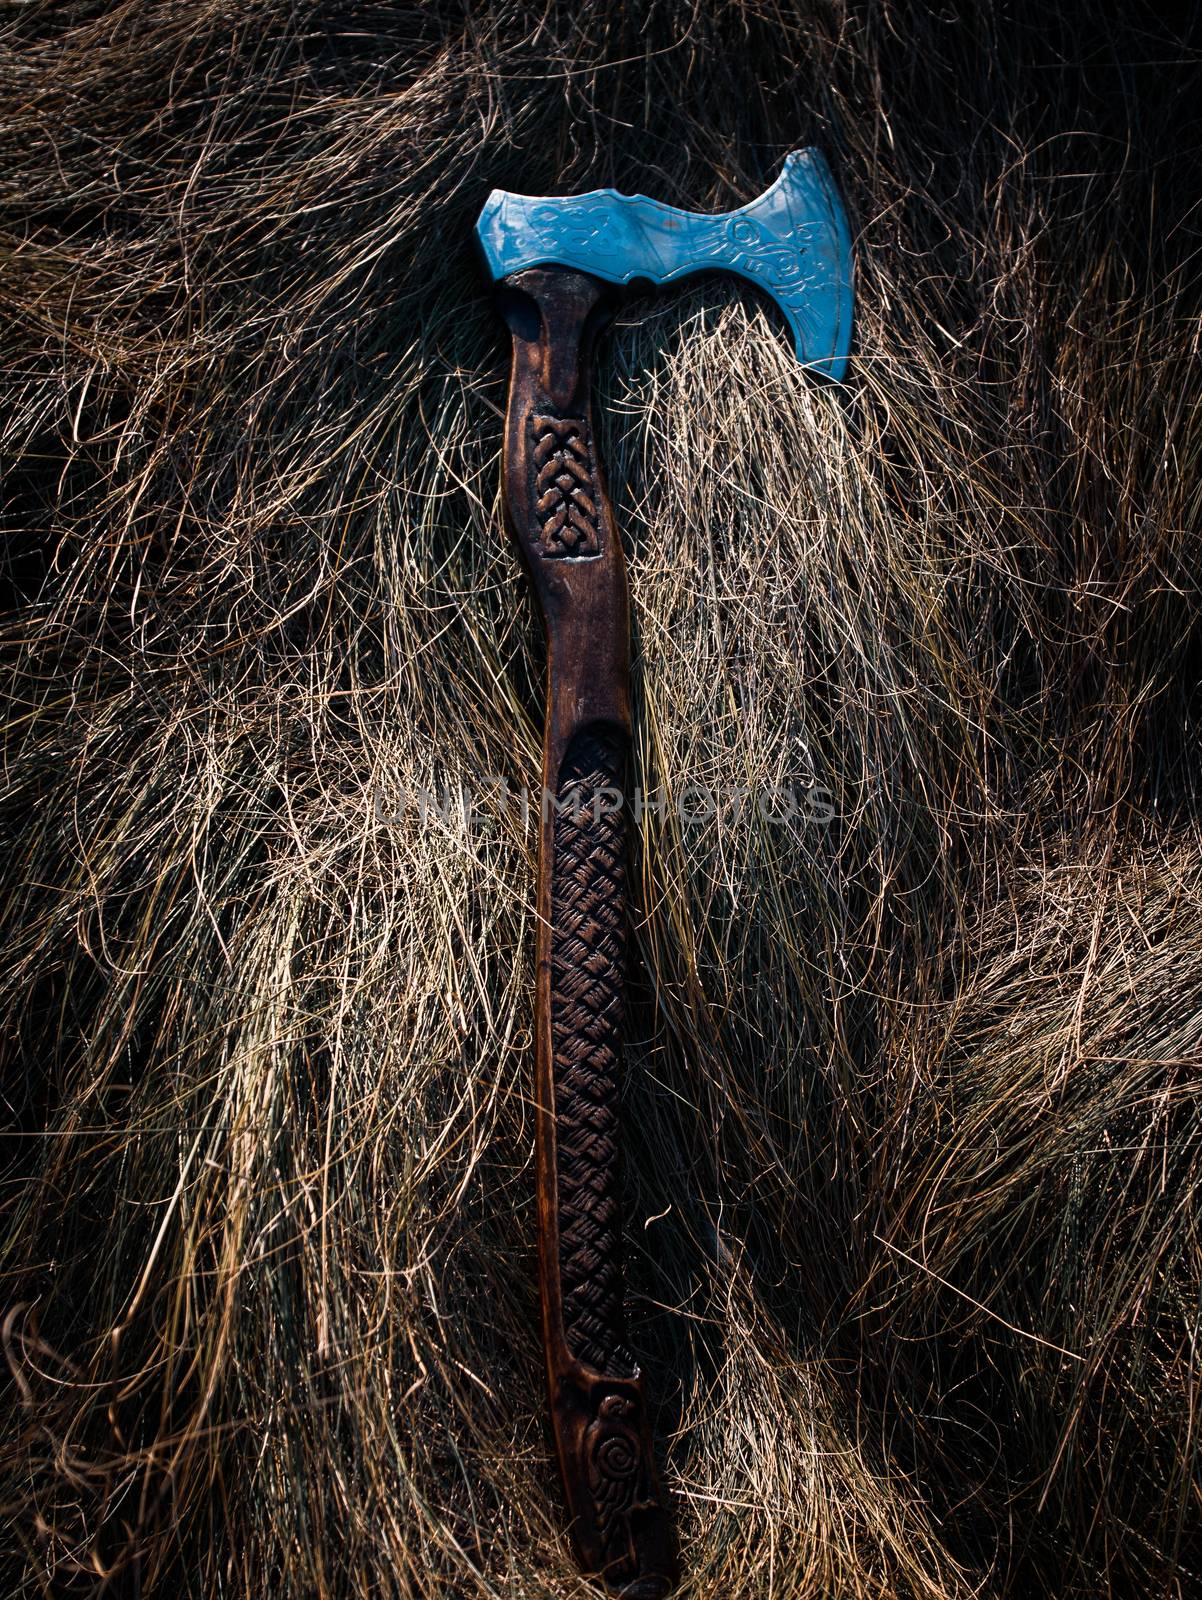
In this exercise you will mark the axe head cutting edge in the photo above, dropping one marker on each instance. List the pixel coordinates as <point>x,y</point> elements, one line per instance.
<point>793,243</point>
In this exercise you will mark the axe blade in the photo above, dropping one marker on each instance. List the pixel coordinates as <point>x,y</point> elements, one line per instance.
<point>793,243</point>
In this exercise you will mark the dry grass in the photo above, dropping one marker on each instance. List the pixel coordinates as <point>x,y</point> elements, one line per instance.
<point>914,1097</point>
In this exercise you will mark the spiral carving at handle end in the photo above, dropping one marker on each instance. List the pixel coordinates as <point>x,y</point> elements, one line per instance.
<point>620,1525</point>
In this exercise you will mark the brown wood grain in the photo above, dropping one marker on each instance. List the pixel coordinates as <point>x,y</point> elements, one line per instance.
<point>558,511</point>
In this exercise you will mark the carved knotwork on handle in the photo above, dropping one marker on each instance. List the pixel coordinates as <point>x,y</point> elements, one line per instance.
<point>612,1458</point>
<point>565,487</point>
<point>588,950</point>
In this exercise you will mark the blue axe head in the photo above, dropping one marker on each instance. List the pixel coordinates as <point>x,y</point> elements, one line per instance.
<point>793,243</point>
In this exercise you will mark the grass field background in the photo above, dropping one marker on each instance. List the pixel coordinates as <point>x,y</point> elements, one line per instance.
<point>913,1100</point>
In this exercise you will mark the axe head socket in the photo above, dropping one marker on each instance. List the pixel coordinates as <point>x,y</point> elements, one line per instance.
<point>793,243</point>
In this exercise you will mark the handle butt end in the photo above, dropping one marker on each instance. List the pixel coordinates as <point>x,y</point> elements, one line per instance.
<point>621,1524</point>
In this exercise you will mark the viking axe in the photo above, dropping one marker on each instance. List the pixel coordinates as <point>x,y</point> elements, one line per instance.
<point>555,262</point>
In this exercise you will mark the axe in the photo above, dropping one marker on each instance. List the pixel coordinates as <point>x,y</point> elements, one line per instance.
<point>554,262</point>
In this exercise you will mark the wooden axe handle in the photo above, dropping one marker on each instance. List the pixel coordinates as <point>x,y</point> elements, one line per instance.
<point>557,509</point>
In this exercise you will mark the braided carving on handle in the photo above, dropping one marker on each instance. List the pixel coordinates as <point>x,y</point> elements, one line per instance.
<point>588,947</point>
<point>565,486</point>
